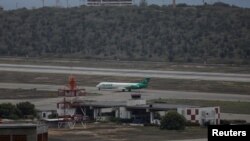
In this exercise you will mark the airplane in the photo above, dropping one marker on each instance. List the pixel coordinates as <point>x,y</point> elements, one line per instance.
<point>123,86</point>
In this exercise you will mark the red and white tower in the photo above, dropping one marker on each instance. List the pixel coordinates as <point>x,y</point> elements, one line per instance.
<point>66,109</point>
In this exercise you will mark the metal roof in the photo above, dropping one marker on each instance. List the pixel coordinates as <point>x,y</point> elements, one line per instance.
<point>154,106</point>
<point>157,106</point>
<point>17,125</point>
<point>104,103</point>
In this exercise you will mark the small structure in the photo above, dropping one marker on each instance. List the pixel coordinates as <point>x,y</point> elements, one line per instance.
<point>109,2</point>
<point>23,132</point>
<point>201,115</point>
<point>137,110</point>
<point>44,114</point>
<point>66,109</point>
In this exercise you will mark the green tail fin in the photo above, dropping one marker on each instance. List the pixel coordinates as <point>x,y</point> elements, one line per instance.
<point>146,81</point>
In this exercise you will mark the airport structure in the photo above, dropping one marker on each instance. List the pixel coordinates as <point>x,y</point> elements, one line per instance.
<point>136,110</point>
<point>66,109</point>
<point>201,115</point>
<point>23,132</point>
<point>109,2</point>
<point>44,114</point>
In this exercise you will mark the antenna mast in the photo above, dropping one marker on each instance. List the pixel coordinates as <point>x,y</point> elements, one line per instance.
<point>174,4</point>
<point>57,3</point>
<point>67,3</point>
<point>43,2</point>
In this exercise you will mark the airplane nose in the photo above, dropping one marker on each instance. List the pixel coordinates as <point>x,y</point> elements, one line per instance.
<point>98,85</point>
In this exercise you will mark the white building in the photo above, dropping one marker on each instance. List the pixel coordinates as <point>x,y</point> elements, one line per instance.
<point>201,115</point>
<point>44,114</point>
<point>109,2</point>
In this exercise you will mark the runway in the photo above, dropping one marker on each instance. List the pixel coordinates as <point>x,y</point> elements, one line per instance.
<point>113,95</point>
<point>127,72</point>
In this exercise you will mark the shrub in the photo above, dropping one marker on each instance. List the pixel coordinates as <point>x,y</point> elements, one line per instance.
<point>173,121</point>
<point>8,110</point>
<point>26,108</point>
<point>20,110</point>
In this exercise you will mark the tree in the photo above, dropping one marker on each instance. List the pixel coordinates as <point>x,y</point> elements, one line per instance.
<point>217,34</point>
<point>173,121</point>
<point>8,110</point>
<point>26,108</point>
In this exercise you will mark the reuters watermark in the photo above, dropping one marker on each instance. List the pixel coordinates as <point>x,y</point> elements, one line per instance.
<point>241,132</point>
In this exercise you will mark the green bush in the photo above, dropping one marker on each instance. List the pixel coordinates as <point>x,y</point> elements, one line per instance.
<point>8,110</point>
<point>26,109</point>
<point>173,121</point>
<point>21,110</point>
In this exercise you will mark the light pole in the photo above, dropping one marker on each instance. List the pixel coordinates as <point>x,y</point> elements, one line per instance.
<point>174,4</point>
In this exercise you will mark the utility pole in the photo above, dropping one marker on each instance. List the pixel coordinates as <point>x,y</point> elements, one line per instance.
<point>43,2</point>
<point>174,4</point>
<point>67,3</point>
<point>57,3</point>
<point>80,2</point>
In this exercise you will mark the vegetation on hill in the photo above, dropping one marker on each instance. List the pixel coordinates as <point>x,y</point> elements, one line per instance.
<point>210,34</point>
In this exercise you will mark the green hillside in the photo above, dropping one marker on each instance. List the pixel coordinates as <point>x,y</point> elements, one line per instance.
<point>212,34</point>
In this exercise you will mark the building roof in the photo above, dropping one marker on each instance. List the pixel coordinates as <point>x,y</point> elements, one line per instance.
<point>104,104</point>
<point>18,125</point>
<point>155,106</point>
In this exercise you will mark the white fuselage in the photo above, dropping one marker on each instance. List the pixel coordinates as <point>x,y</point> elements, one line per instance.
<point>114,85</point>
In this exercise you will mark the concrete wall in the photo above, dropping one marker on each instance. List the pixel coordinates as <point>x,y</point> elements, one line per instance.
<point>122,113</point>
<point>44,114</point>
<point>30,131</point>
<point>134,102</point>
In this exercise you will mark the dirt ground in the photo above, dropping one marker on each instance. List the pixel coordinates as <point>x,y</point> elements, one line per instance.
<point>115,132</point>
<point>31,94</point>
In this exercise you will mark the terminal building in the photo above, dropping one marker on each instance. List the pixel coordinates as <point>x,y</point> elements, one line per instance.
<point>137,110</point>
<point>109,2</point>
